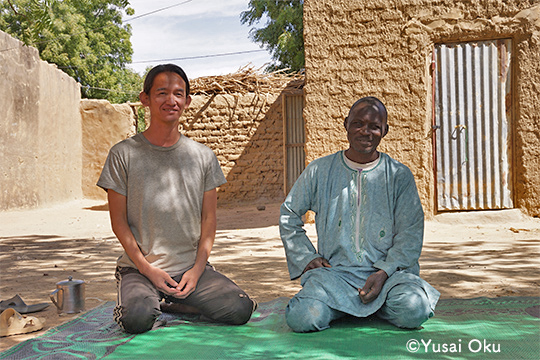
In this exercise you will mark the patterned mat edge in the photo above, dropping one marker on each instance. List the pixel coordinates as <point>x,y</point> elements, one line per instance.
<point>96,317</point>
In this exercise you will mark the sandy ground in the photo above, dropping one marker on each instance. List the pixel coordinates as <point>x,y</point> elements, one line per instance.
<point>465,255</point>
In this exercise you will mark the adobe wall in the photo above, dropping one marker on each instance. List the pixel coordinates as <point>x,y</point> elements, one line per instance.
<point>245,131</point>
<point>103,125</point>
<point>383,48</point>
<point>40,137</point>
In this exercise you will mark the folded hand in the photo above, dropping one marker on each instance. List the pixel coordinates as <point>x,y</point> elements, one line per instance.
<point>162,281</point>
<point>317,263</point>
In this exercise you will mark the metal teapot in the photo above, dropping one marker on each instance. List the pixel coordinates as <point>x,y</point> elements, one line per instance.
<point>70,296</point>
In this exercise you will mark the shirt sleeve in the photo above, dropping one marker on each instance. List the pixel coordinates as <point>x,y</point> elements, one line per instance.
<point>214,174</point>
<point>114,173</point>
<point>408,227</point>
<point>299,250</point>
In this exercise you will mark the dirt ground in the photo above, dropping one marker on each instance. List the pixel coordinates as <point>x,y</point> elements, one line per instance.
<point>465,255</point>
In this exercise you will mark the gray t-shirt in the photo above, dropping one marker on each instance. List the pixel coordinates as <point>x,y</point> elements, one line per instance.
<point>164,187</point>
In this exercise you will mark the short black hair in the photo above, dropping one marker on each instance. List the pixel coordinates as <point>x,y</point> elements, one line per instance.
<point>372,100</point>
<point>155,71</point>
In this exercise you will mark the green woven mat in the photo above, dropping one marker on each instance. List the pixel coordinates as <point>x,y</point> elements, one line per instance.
<point>481,328</point>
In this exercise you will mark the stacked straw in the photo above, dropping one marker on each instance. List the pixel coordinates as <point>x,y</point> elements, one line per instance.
<point>245,80</point>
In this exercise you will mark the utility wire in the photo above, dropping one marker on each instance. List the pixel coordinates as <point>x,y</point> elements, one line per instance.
<point>198,56</point>
<point>158,60</point>
<point>102,27</point>
<point>110,90</point>
<point>182,58</point>
<point>156,11</point>
<point>144,61</point>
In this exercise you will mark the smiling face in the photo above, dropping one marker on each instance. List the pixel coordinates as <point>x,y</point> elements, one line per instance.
<point>167,98</point>
<point>366,126</point>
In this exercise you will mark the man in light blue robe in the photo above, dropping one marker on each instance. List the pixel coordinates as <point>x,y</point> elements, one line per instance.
<point>370,226</point>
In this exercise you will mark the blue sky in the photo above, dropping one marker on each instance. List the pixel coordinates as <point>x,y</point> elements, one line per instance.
<point>193,28</point>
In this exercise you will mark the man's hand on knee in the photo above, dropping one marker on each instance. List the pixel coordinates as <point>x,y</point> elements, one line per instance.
<point>373,286</point>
<point>317,263</point>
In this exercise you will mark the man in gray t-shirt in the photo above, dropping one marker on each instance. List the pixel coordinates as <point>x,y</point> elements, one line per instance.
<point>162,196</point>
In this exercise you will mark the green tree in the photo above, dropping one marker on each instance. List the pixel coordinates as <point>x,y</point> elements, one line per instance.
<point>84,38</point>
<point>283,34</point>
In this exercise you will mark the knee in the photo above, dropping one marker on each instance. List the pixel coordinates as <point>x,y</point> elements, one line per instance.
<point>299,320</point>
<point>242,311</point>
<point>236,311</point>
<point>409,312</point>
<point>306,315</point>
<point>136,317</point>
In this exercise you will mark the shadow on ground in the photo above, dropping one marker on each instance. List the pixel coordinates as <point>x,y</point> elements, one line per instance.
<point>473,269</point>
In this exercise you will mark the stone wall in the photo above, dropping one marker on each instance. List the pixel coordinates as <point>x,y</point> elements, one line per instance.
<point>40,137</point>
<point>383,48</point>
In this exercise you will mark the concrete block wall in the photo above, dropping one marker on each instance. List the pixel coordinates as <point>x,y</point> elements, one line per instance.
<point>356,48</point>
<point>40,130</point>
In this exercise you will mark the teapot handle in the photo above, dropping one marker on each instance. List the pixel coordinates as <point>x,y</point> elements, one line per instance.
<point>53,300</point>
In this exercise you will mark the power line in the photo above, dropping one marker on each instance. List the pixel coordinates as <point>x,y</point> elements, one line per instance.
<point>102,27</point>
<point>198,57</point>
<point>142,61</point>
<point>162,60</point>
<point>155,11</point>
<point>157,60</point>
<point>181,58</point>
<point>109,90</point>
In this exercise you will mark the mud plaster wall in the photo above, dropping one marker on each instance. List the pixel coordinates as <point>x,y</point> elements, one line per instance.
<point>103,125</point>
<point>40,137</point>
<point>245,131</point>
<point>383,48</point>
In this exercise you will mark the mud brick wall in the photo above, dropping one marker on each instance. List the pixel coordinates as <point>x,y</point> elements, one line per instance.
<point>245,131</point>
<point>356,48</point>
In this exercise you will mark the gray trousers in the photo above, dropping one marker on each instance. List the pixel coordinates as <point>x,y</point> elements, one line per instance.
<point>216,297</point>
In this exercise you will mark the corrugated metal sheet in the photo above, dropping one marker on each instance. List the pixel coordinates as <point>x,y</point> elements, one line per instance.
<point>472,97</point>
<point>294,139</point>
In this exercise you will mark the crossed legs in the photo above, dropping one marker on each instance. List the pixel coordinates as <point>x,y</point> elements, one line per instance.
<point>406,306</point>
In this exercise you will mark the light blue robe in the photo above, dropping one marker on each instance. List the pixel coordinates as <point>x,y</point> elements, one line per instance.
<point>365,220</point>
